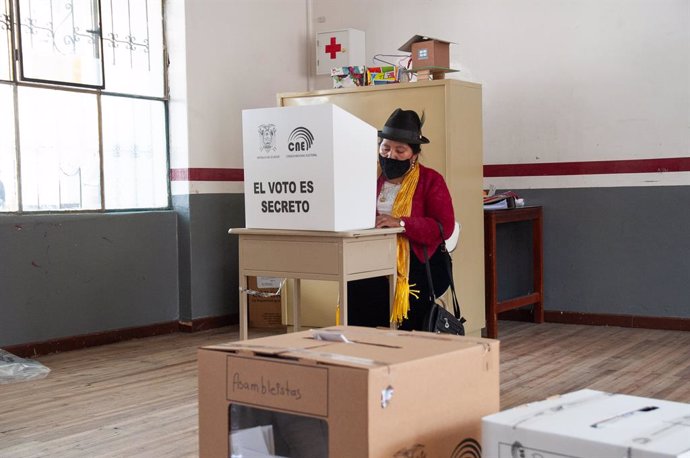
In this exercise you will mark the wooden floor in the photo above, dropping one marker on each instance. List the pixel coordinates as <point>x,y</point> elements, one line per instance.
<point>138,398</point>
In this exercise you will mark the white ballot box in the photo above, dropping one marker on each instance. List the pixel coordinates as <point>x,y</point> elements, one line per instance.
<point>309,168</point>
<point>589,424</point>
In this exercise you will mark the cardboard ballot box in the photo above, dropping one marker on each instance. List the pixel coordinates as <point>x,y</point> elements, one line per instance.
<point>587,424</point>
<point>365,392</point>
<point>308,167</point>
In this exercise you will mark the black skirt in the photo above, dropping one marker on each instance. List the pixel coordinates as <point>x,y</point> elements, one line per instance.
<point>367,299</point>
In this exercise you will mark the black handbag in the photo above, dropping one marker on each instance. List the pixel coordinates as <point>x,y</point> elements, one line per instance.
<point>439,319</point>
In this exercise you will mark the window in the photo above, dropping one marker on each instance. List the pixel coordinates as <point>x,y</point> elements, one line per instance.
<point>59,41</point>
<point>133,134</point>
<point>59,167</point>
<point>83,107</point>
<point>5,56</point>
<point>8,182</point>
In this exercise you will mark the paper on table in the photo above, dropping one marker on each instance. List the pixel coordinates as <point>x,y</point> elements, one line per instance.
<point>330,336</point>
<point>504,204</point>
<point>497,206</point>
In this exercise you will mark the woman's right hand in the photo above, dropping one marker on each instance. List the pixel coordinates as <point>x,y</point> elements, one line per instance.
<point>387,221</point>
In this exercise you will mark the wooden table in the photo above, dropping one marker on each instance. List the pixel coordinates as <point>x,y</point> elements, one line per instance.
<point>493,218</point>
<point>315,255</point>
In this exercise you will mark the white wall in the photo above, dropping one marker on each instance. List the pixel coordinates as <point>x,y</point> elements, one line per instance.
<point>562,80</point>
<point>238,54</point>
<point>177,77</point>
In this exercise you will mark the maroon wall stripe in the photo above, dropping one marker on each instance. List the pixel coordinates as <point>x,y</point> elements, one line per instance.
<point>206,174</point>
<point>675,164</point>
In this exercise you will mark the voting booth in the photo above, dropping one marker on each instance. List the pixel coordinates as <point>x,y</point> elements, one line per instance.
<point>308,168</point>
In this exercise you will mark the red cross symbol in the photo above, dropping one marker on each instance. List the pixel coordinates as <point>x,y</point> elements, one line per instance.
<point>333,48</point>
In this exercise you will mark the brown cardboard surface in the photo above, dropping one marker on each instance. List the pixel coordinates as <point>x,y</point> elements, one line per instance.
<point>264,312</point>
<point>212,398</point>
<point>382,347</point>
<point>407,47</point>
<point>291,387</point>
<point>438,54</point>
<point>440,387</point>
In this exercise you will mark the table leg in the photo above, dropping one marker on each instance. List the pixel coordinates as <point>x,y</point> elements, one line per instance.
<point>538,268</point>
<point>244,315</point>
<point>343,301</point>
<point>491,277</point>
<point>296,312</point>
<point>392,280</point>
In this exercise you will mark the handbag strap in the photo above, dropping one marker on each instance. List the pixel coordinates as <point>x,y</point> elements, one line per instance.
<point>456,304</point>
<point>428,275</point>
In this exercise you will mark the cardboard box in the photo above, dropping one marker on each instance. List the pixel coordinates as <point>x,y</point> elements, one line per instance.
<point>427,52</point>
<point>265,312</point>
<point>309,167</point>
<point>382,75</point>
<point>589,423</point>
<point>430,53</point>
<point>383,393</point>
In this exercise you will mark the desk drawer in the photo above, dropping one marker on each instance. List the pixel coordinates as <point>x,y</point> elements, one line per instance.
<point>291,256</point>
<point>370,255</point>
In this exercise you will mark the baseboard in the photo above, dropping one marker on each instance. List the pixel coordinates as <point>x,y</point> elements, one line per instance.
<point>624,321</point>
<point>32,349</point>
<point>516,315</point>
<point>201,324</point>
<point>602,319</point>
<point>211,322</point>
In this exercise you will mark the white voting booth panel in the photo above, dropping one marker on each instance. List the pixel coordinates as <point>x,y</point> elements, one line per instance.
<point>308,168</point>
<point>587,424</point>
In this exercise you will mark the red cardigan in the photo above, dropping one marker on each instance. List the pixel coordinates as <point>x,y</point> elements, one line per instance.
<point>431,203</point>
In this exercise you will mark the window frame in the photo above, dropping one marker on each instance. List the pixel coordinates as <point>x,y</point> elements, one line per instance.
<point>19,59</point>
<point>17,81</point>
<point>10,39</point>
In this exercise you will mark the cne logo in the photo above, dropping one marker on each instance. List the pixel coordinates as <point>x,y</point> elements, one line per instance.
<point>300,139</point>
<point>468,448</point>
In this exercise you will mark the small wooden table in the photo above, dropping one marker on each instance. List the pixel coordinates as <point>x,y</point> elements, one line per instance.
<point>492,218</point>
<point>315,255</point>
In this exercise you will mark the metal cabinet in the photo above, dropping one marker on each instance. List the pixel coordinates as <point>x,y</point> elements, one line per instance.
<point>453,122</point>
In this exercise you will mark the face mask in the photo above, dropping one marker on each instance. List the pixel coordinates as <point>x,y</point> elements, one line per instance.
<point>393,168</point>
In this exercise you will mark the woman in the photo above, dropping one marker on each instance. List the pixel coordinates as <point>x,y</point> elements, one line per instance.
<point>416,198</point>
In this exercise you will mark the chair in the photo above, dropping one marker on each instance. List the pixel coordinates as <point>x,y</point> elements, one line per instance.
<point>452,241</point>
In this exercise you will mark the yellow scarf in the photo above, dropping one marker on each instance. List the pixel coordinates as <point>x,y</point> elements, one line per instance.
<point>402,207</point>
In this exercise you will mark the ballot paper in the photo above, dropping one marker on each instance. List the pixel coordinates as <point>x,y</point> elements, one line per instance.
<point>256,442</point>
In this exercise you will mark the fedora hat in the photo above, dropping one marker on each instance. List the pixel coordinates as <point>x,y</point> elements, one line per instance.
<point>404,126</point>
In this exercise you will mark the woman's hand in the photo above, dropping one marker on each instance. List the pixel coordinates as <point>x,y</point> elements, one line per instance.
<point>387,221</point>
